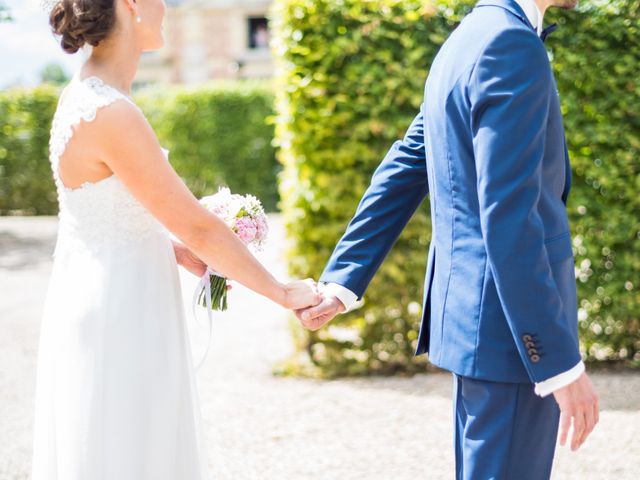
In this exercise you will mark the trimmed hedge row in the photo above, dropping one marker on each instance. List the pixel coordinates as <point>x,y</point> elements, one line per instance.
<point>596,53</point>
<point>350,79</point>
<point>217,135</point>
<point>26,184</point>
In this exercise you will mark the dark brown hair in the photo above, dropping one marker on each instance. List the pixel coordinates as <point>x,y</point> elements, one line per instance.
<point>79,22</point>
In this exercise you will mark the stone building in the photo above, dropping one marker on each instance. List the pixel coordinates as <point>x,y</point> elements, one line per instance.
<point>211,39</point>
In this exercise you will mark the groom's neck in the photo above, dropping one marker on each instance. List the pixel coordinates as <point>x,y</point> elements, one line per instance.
<point>542,5</point>
<point>565,4</point>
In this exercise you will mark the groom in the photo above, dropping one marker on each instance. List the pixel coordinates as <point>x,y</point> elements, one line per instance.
<point>488,147</point>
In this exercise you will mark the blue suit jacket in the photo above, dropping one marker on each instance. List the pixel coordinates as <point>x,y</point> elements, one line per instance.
<point>488,147</point>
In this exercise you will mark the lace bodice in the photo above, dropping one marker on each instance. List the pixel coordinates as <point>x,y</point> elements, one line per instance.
<point>99,214</point>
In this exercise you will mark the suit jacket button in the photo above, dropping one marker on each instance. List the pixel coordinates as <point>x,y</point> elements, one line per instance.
<point>527,338</point>
<point>535,358</point>
<point>532,351</point>
<point>530,345</point>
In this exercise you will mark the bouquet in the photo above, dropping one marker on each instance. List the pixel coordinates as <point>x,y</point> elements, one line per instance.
<point>245,215</point>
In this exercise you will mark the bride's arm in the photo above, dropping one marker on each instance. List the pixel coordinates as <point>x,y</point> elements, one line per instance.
<point>129,147</point>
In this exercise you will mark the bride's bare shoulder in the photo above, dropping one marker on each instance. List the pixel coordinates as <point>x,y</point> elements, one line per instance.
<point>121,121</point>
<point>121,111</point>
<point>124,133</point>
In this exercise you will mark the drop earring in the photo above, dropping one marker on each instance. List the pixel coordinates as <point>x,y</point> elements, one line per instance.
<point>138,19</point>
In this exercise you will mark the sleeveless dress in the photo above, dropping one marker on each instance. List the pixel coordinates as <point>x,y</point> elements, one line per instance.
<point>116,395</point>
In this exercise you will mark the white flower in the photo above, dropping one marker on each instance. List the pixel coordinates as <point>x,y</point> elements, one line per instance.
<point>243,214</point>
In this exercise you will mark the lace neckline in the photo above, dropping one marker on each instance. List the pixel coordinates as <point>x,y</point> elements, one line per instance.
<point>95,81</point>
<point>78,105</point>
<point>82,104</point>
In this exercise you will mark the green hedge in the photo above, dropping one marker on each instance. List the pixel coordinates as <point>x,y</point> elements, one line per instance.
<point>596,58</point>
<point>26,184</point>
<point>350,79</point>
<point>217,135</point>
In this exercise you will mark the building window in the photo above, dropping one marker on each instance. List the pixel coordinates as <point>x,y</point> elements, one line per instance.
<point>258,33</point>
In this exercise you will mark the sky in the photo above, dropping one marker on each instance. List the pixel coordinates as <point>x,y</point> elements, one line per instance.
<point>27,45</point>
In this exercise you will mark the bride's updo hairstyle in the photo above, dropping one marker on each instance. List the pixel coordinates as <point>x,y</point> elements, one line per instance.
<point>80,22</point>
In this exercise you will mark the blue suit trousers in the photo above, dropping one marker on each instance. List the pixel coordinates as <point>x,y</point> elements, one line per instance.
<point>503,431</point>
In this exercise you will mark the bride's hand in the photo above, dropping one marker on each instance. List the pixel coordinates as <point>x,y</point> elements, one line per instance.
<point>301,294</point>
<point>187,259</point>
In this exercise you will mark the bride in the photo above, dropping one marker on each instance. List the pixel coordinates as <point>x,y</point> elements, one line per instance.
<point>116,397</point>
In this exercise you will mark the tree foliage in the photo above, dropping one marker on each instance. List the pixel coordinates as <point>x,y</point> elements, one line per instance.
<point>54,74</point>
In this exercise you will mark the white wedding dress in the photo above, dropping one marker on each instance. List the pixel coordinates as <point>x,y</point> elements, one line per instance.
<point>116,395</point>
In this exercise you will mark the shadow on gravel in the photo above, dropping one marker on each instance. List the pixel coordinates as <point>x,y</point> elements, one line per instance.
<point>430,384</point>
<point>18,253</point>
<point>618,390</point>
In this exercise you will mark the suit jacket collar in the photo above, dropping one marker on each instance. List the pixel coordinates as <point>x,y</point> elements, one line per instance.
<point>509,5</point>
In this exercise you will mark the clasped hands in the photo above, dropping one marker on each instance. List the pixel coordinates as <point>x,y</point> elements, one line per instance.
<point>304,297</point>
<point>319,310</point>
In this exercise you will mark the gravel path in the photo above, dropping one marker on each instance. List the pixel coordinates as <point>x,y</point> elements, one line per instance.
<point>262,427</point>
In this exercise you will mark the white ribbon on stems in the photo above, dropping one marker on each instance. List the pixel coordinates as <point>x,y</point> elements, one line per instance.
<point>205,282</point>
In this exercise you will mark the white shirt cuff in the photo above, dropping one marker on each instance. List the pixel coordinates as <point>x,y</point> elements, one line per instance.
<point>563,379</point>
<point>346,296</point>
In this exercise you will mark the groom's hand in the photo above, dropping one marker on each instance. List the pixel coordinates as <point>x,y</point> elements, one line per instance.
<point>578,403</point>
<point>314,318</point>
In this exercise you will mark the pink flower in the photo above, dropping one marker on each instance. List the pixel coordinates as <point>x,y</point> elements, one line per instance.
<point>262,228</point>
<point>246,229</point>
<point>243,213</point>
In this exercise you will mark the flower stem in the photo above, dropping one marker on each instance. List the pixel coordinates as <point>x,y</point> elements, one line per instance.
<point>218,293</point>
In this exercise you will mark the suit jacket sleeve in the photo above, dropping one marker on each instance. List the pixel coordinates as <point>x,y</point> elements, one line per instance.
<point>397,188</point>
<point>509,91</point>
